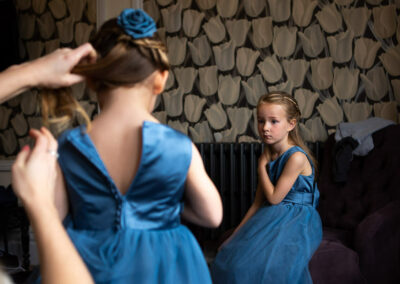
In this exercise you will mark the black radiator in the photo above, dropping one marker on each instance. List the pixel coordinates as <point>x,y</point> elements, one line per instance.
<point>233,169</point>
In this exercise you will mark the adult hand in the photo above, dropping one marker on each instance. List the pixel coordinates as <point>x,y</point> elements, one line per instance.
<point>54,69</point>
<point>34,171</point>
<point>50,71</point>
<point>33,179</point>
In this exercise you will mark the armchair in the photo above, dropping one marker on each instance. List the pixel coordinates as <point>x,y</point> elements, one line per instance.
<point>361,217</point>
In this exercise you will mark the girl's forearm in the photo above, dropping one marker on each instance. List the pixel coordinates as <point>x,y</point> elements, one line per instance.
<point>257,203</point>
<point>192,216</point>
<point>252,210</point>
<point>266,185</point>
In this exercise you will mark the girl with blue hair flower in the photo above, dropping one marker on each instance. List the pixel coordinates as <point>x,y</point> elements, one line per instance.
<point>124,180</point>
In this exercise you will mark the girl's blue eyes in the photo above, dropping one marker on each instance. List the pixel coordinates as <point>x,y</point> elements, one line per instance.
<point>263,121</point>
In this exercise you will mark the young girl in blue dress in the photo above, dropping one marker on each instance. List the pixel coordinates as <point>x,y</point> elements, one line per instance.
<point>280,232</point>
<point>125,180</point>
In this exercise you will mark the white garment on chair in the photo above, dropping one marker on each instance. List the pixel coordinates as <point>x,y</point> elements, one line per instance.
<point>362,132</point>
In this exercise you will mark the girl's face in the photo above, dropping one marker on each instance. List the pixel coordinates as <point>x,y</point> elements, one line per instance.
<point>273,125</point>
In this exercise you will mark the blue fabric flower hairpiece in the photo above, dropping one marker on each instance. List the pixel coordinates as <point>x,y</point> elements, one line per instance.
<point>136,23</point>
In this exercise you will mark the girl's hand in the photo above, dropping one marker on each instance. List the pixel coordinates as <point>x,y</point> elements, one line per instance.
<point>263,160</point>
<point>34,172</point>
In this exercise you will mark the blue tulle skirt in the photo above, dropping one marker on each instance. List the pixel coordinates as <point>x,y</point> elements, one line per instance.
<point>274,246</point>
<point>142,256</point>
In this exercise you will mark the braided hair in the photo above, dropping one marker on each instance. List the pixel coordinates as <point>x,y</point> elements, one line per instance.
<point>121,61</point>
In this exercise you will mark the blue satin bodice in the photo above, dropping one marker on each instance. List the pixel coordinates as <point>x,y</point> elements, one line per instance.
<point>136,237</point>
<point>304,190</point>
<point>153,200</point>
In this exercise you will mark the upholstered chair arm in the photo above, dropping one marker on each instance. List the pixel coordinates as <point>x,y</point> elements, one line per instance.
<point>377,242</point>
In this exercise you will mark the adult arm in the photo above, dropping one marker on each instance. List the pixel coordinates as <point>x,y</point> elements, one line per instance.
<point>33,179</point>
<point>51,71</point>
<point>203,204</point>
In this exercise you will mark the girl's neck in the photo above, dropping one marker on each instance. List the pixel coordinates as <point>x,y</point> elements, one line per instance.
<point>278,150</point>
<point>124,108</point>
<point>127,101</point>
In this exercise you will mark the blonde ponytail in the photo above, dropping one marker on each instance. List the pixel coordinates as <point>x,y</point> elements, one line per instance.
<point>60,108</point>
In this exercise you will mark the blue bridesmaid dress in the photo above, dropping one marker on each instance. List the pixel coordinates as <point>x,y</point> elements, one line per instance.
<point>276,244</point>
<point>136,237</point>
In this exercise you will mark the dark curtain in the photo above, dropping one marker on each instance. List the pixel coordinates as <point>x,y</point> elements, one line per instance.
<point>8,34</point>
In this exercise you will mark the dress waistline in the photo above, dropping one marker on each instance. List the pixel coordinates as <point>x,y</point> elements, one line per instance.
<point>304,198</point>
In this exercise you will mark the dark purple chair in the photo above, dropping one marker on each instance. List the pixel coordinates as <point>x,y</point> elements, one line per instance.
<point>361,217</point>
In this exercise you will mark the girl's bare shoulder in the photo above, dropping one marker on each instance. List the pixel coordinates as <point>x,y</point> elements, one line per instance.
<point>299,161</point>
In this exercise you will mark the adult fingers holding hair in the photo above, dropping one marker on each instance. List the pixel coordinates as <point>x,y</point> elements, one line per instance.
<point>50,71</point>
<point>54,70</point>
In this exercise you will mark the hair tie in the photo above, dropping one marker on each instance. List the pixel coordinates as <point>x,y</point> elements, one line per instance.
<point>136,23</point>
